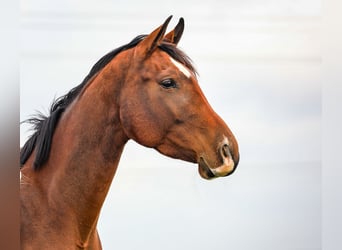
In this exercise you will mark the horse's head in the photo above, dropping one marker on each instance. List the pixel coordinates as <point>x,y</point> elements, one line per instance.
<point>163,107</point>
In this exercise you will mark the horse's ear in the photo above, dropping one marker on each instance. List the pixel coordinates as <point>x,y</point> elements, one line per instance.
<point>151,41</point>
<point>175,35</point>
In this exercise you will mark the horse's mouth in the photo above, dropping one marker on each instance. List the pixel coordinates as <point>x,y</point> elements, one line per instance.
<point>204,170</point>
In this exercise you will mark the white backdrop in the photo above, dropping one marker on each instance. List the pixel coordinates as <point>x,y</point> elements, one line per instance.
<point>259,65</point>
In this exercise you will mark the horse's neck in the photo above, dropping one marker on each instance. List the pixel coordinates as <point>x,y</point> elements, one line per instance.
<point>86,148</point>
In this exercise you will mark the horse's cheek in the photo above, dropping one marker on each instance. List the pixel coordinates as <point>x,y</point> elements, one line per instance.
<point>140,127</point>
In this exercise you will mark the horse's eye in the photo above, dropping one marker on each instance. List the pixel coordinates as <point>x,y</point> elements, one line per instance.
<point>168,83</point>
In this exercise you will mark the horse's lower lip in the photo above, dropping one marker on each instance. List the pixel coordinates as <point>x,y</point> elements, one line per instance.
<point>204,170</point>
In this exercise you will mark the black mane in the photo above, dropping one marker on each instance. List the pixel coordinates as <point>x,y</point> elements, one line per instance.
<point>44,126</point>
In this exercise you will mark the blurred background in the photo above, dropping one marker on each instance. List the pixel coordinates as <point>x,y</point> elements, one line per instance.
<point>259,64</point>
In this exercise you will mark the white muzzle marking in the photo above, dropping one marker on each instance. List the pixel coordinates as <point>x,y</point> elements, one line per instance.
<point>228,163</point>
<point>224,169</point>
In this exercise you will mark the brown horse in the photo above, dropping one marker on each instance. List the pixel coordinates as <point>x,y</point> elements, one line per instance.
<point>146,90</point>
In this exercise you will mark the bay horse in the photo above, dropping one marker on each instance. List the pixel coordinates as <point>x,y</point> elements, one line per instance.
<point>146,90</point>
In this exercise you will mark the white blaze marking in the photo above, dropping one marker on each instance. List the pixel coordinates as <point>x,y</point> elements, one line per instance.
<point>181,67</point>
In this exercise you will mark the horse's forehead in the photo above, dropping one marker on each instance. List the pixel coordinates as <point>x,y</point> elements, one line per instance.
<point>181,67</point>
<point>164,58</point>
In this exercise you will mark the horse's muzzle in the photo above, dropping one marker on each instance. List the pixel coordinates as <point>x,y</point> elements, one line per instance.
<point>227,168</point>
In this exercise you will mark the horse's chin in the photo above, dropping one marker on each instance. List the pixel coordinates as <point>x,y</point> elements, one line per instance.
<point>204,170</point>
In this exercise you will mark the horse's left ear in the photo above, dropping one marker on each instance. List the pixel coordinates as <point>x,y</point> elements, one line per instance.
<point>175,35</point>
<point>146,46</point>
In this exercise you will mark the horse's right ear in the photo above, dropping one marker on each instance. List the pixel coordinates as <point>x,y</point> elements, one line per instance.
<point>146,46</point>
<point>175,35</point>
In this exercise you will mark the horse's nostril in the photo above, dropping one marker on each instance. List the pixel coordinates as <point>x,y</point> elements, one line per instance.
<point>225,150</point>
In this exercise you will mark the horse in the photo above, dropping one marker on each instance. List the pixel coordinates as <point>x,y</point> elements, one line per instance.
<point>147,91</point>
